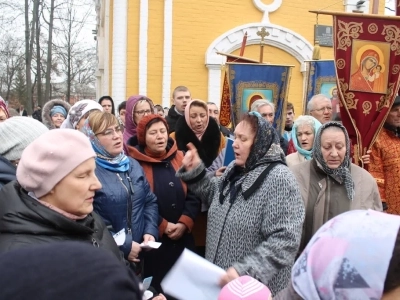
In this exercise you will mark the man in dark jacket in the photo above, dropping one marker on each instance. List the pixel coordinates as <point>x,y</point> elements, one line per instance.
<point>213,112</point>
<point>37,114</point>
<point>180,98</point>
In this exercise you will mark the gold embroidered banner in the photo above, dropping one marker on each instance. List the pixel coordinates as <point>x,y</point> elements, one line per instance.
<point>367,56</point>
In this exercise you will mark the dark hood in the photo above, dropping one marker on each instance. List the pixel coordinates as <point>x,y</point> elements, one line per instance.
<point>7,172</point>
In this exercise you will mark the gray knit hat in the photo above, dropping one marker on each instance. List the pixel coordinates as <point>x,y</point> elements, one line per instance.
<point>16,134</point>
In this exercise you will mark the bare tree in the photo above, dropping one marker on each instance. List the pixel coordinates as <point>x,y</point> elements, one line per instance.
<point>49,53</point>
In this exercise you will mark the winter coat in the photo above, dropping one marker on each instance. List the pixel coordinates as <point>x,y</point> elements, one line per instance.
<point>318,191</point>
<point>46,119</point>
<point>211,144</point>
<point>295,159</point>
<point>176,204</point>
<point>7,172</point>
<point>25,222</point>
<point>111,203</point>
<point>259,236</point>
<point>172,118</point>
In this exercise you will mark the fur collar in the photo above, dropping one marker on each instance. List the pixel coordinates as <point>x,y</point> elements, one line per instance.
<point>46,119</point>
<point>208,147</point>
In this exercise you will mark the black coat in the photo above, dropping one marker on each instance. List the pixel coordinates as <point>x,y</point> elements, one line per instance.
<point>7,172</point>
<point>208,147</point>
<point>172,118</point>
<point>26,222</point>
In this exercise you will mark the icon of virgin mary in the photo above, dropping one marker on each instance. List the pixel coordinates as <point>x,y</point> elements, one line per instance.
<point>363,79</point>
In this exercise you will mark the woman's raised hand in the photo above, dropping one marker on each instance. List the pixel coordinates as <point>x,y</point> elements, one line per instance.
<point>192,159</point>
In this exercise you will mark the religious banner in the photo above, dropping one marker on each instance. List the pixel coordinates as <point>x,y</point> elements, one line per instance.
<point>225,111</point>
<point>321,79</point>
<point>367,55</point>
<point>251,82</point>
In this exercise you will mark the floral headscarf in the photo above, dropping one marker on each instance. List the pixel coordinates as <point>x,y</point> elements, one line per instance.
<point>341,174</point>
<point>3,107</point>
<point>339,263</point>
<point>78,110</point>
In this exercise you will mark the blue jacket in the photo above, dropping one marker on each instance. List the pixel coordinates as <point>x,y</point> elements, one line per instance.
<point>111,203</point>
<point>7,172</point>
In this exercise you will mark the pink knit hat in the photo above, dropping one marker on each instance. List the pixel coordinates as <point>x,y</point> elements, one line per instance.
<point>51,157</point>
<point>245,287</point>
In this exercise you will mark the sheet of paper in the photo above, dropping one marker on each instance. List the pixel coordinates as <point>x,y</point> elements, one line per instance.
<point>120,237</point>
<point>193,278</point>
<point>150,245</point>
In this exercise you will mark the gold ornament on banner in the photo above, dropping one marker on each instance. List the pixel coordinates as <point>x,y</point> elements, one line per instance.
<point>351,103</point>
<point>340,63</point>
<point>384,100</point>
<point>366,106</point>
<point>347,32</point>
<point>372,28</point>
<point>395,69</point>
<point>392,35</point>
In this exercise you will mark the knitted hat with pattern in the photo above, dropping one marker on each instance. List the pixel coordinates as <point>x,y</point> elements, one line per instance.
<point>245,287</point>
<point>141,128</point>
<point>16,134</point>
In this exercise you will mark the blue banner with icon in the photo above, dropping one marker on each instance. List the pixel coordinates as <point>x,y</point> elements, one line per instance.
<point>321,79</point>
<point>251,82</point>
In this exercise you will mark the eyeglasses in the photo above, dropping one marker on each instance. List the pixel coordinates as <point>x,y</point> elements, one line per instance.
<point>110,132</point>
<point>142,112</point>
<point>322,109</point>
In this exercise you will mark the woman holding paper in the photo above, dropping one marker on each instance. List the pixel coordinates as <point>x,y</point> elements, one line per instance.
<point>177,206</point>
<point>256,212</point>
<point>125,201</point>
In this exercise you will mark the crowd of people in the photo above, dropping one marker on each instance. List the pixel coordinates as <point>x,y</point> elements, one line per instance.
<point>291,217</point>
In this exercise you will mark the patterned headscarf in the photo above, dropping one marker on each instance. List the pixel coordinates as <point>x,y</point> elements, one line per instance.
<point>266,146</point>
<point>130,125</point>
<point>3,107</point>
<point>341,174</point>
<point>78,110</point>
<point>309,120</point>
<point>339,263</point>
<point>119,163</point>
<point>187,116</point>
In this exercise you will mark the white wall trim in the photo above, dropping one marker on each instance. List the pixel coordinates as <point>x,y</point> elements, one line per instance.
<point>143,42</point>
<point>167,61</point>
<point>350,5</point>
<point>279,37</point>
<point>120,27</point>
<point>267,8</point>
<point>106,57</point>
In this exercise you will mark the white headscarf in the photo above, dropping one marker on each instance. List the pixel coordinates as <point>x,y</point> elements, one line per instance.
<point>78,110</point>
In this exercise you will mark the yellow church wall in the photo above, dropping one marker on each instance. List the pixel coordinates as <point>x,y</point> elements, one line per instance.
<point>132,52</point>
<point>277,56</point>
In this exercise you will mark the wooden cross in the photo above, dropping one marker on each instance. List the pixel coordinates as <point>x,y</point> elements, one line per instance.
<point>262,33</point>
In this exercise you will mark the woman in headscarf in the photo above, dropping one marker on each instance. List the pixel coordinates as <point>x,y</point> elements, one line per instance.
<point>198,128</point>
<point>125,201</point>
<point>177,206</point>
<point>108,104</point>
<point>363,78</point>
<point>330,183</point>
<point>356,255</point>
<point>136,108</point>
<point>54,113</point>
<point>303,134</point>
<point>79,112</point>
<point>256,212</point>
<point>4,114</point>
<point>52,198</point>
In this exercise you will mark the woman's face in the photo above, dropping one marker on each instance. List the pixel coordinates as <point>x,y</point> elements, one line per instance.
<point>74,193</point>
<point>3,115</point>
<point>142,108</point>
<point>57,120</point>
<point>244,139</point>
<point>333,147</point>
<point>198,118</point>
<point>392,295</point>
<point>305,137</point>
<point>111,139</point>
<point>157,137</point>
<point>107,105</point>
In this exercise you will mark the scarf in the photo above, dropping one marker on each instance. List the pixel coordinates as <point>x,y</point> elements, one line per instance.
<point>315,125</point>
<point>199,134</point>
<point>119,163</point>
<point>339,263</point>
<point>341,174</point>
<point>130,125</point>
